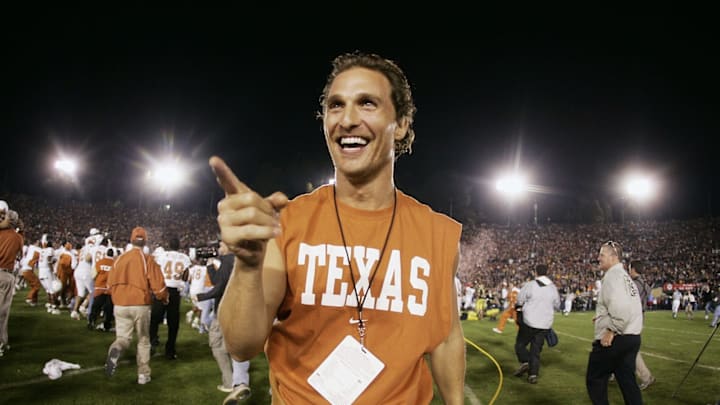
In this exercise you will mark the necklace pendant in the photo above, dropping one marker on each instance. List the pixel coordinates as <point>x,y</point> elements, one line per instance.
<point>361,332</point>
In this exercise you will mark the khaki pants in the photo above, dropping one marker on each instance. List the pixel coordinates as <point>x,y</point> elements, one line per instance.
<point>128,319</point>
<point>7,290</point>
<point>641,370</point>
<point>233,372</point>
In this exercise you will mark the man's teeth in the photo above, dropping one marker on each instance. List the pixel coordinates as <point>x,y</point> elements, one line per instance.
<point>353,140</point>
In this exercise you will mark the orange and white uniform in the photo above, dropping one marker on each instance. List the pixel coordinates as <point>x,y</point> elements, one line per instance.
<point>173,265</point>
<point>64,267</point>
<point>510,312</point>
<point>103,268</point>
<point>407,310</point>
<point>200,283</point>
<point>45,267</point>
<point>84,279</point>
<point>27,266</point>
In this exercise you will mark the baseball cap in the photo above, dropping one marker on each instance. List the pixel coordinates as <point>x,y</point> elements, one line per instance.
<point>4,205</point>
<point>138,233</point>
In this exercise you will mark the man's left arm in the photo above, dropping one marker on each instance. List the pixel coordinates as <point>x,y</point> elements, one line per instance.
<point>447,360</point>
<point>156,280</point>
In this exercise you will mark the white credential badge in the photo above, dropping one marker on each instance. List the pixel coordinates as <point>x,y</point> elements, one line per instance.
<point>346,372</point>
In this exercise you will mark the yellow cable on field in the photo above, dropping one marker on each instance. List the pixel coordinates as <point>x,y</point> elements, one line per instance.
<point>499,387</point>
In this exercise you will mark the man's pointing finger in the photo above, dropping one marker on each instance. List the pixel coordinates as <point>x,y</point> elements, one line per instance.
<point>226,178</point>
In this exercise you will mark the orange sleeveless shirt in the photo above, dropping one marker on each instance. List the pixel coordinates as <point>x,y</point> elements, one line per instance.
<point>408,310</point>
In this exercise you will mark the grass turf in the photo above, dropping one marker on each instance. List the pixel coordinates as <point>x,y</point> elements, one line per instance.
<point>670,347</point>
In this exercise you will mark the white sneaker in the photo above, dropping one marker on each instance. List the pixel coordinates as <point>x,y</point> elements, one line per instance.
<point>32,304</point>
<point>112,361</point>
<point>189,316</point>
<point>48,305</point>
<point>55,311</point>
<point>224,388</point>
<point>240,393</point>
<point>83,310</point>
<point>496,330</point>
<point>647,383</point>
<point>75,315</point>
<point>143,379</point>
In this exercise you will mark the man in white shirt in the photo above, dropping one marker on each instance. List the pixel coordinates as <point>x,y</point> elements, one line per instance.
<point>618,324</point>
<point>539,299</point>
<point>174,266</point>
<point>676,298</point>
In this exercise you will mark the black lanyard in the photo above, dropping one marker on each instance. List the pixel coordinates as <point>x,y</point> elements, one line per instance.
<point>360,303</point>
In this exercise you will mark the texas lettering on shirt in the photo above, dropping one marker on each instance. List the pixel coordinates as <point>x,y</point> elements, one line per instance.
<point>333,261</point>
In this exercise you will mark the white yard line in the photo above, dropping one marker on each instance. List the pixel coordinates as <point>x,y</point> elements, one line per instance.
<point>684,332</point>
<point>45,378</point>
<point>470,395</point>
<point>644,353</point>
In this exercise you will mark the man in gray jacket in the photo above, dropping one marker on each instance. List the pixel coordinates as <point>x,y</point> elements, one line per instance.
<point>539,299</point>
<point>618,324</point>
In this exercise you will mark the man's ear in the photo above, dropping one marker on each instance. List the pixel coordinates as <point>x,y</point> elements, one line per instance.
<point>402,128</point>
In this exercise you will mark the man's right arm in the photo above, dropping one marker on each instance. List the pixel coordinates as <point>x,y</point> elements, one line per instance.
<point>248,225</point>
<point>250,303</point>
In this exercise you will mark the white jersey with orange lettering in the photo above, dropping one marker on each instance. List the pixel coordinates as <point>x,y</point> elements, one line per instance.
<point>98,252</point>
<point>198,280</point>
<point>29,255</point>
<point>47,255</point>
<point>86,262</point>
<point>173,265</point>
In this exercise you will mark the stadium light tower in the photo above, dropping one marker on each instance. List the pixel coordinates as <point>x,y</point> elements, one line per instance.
<point>168,175</point>
<point>638,188</point>
<point>66,166</point>
<point>512,186</point>
<point>65,170</point>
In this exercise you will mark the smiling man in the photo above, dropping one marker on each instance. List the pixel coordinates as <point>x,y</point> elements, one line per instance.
<point>347,287</point>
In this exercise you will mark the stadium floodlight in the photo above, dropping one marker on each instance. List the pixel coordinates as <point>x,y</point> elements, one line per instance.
<point>168,175</point>
<point>66,166</point>
<point>640,187</point>
<point>511,185</point>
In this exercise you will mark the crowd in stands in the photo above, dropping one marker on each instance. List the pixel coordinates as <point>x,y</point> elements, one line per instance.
<point>678,252</point>
<point>71,220</point>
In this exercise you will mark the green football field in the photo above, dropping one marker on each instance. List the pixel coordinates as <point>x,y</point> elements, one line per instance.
<point>670,348</point>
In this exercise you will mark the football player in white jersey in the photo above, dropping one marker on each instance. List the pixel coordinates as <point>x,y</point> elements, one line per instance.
<point>46,275</point>
<point>95,236</point>
<point>200,283</point>
<point>174,266</point>
<point>85,274</point>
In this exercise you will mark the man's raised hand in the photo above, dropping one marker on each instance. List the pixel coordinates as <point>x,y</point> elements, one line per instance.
<point>246,220</point>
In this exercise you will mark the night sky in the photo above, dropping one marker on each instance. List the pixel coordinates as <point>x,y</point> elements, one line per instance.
<point>572,100</point>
